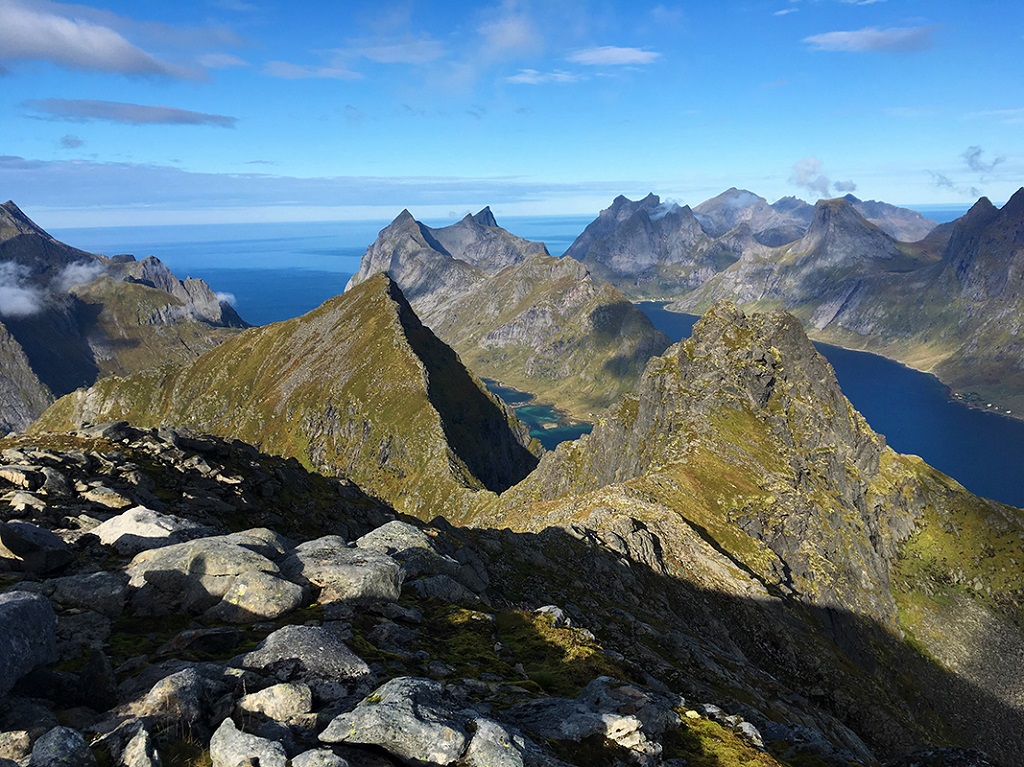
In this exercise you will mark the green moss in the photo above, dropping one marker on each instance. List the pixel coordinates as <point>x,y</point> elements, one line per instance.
<point>592,751</point>
<point>703,743</point>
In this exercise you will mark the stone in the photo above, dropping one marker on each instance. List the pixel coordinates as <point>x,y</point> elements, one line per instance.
<point>410,547</point>
<point>15,745</point>
<point>407,717</point>
<point>191,576</point>
<point>280,702</point>
<point>106,497</point>
<point>494,745</point>
<point>344,574</point>
<point>443,588</point>
<point>319,757</point>
<point>61,747</point>
<point>28,635</point>
<point>22,501</point>
<point>81,631</point>
<point>262,540</point>
<point>177,699</point>
<point>140,751</point>
<point>256,596</point>
<point>230,747</point>
<point>305,651</point>
<point>558,617</point>
<point>140,529</point>
<point>23,477</point>
<point>102,592</point>
<point>38,549</point>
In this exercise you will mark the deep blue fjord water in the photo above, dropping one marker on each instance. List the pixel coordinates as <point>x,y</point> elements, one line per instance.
<point>278,271</point>
<point>983,451</point>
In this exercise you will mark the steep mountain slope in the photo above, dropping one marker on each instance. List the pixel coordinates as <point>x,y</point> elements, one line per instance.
<point>738,466</point>
<point>949,304</point>
<point>77,316</point>
<point>358,388</point>
<point>771,225</point>
<point>514,313</point>
<point>899,223</point>
<point>648,248</point>
<point>22,395</point>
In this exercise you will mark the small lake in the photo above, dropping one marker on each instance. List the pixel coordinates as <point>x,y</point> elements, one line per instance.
<point>546,424</point>
<point>983,451</point>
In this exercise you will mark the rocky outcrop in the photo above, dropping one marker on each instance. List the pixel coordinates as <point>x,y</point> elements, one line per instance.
<point>27,636</point>
<point>357,388</point>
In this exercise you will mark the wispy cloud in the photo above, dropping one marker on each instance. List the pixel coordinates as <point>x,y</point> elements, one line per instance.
<point>30,34</point>
<point>785,11</point>
<point>1004,116</point>
<point>873,39</point>
<point>972,156</point>
<point>942,181</point>
<point>535,77</point>
<point>87,110</point>
<point>612,55</point>
<point>409,50</point>
<point>510,33</point>
<point>221,61</point>
<point>71,142</point>
<point>289,71</point>
<point>809,173</point>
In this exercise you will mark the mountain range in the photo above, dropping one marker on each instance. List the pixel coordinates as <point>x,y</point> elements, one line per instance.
<point>68,317</point>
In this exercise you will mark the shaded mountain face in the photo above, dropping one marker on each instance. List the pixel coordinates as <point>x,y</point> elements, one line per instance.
<point>899,223</point>
<point>648,248</point>
<point>738,465</point>
<point>514,313</point>
<point>357,388</point>
<point>77,316</point>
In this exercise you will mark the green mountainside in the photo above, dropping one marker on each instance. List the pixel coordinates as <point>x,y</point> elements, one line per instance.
<point>76,316</point>
<point>949,304</point>
<point>357,388</point>
<point>514,313</point>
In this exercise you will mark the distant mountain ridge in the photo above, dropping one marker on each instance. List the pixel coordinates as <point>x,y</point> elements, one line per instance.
<point>73,316</point>
<point>514,313</point>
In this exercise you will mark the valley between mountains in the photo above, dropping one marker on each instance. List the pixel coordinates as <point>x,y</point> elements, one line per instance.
<point>323,542</point>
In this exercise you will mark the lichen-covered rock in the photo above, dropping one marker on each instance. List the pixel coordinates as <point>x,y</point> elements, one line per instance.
<point>410,547</point>
<point>255,596</point>
<point>443,588</point>
<point>319,757</point>
<point>407,717</point>
<point>61,747</point>
<point>28,635</point>
<point>177,700</point>
<point>494,745</point>
<point>140,751</point>
<point>344,574</point>
<point>231,747</point>
<point>304,651</point>
<point>102,592</point>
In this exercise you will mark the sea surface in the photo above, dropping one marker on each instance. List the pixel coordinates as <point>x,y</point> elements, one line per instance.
<point>278,271</point>
<point>983,451</point>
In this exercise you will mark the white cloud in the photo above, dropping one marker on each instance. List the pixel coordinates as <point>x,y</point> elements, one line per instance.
<point>612,55</point>
<point>29,34</point>
<point>221,61</point>
<point>873,39</point>
<point>87,110</point>
<point>513,33</point>
<point>17,298</point>
<point>1004,116</point>
<point>421,50</point>
<point>785,11</point>
<point>535,77</point>
<point>807,174</point>
<point>227,298</point>
<point>77,274</point>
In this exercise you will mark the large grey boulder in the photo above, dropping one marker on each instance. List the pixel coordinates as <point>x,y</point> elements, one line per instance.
<point>280,702</point>
<point>407,717</point>
<point>344,574</point>
<point>140,751</point>
<point>230,747</point>
<point>193,576</point>
<point>319,757</point>
<point>37,549</point>
<point>61,747</point>
<point>305,651</point>
<point>28,635</point>
<point>139,529</point>
<point>410,547</point>
<point>494,745</point>
<point>254,596</point>
<point>177,700</point>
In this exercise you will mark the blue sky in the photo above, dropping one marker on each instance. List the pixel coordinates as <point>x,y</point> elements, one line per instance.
<point>122,113</point>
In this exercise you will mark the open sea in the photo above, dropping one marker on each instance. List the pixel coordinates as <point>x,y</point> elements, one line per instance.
<point>275,271</point>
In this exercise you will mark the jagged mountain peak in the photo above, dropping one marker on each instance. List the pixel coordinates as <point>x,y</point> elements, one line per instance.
<point>1014,207</point>
<point>484,218</point>
<point>13,221</point>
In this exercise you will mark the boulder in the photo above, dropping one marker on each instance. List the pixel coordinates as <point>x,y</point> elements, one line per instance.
<point>343,574</point>
<point>61,747</point>
<point>262,540</point>
<point>191,576</point>
<point>319,757</point>
<point>445,589</point>
<point>255,596</point>
<point>176,700</point>
<point>140,529</point>
<point>410,547</point>
<point>280,702</point>
<point>230,747</point>
<point>494,745</point>
<point>28,635</point>
<point>407,717</point>
<point>100,592</point>
<point>38,549</point>
<point>140,751</point>
<point>305,651</point>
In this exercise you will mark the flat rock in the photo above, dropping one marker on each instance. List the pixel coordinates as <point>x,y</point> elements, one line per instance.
<point>494,745</point>
<point>256,596</point>
<point>319,757</point>
<point>305,651</point>
<point>101,592</point>
<point>139,529</point>
<point>28,635</point>
<point>280,702</point>
<point>61,747</point>
<point>407,717</point>
<point>344,574</point>
<point>410,547</point>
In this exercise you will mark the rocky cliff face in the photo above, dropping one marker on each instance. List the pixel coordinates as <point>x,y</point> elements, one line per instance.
<point>899,223</point>
<point>771,225</point>
<point>514,313</point>
<point>77,316</point>
<point>358,387</point>
<point>649,249</point>
<point>22,395</point>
